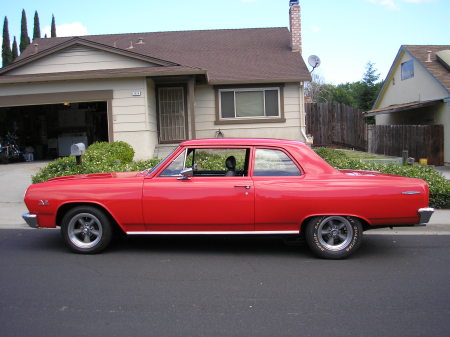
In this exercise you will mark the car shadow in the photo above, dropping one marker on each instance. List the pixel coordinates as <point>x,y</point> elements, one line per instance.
<point>250,245</point>
<point>49,240</point>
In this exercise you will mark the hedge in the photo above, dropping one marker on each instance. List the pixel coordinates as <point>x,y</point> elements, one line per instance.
<point>117,157</point>
<point>99,157</point>
<point>439,186</point>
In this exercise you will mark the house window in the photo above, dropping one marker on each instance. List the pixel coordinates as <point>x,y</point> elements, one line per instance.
<point>407,69</point>
<point>248,103</point>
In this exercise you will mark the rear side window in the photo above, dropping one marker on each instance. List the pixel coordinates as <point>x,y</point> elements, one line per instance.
<point>269,162</point>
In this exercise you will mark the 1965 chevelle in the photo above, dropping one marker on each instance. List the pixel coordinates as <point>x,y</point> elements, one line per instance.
<point>230,186</point>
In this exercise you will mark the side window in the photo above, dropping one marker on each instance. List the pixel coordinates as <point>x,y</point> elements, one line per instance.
<point>220,162</point>
<point>274,163</point>
<point>175,167</point>
<point>210,162</point>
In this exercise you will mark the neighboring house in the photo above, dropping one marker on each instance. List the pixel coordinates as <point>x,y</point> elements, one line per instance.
<point>417,90</point>
<point>154,90</point>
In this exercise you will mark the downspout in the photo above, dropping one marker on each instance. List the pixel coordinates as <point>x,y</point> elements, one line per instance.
<point>301,100</point>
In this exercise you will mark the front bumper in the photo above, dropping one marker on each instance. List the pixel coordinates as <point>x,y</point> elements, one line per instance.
<point>31,220</point>
<point>425,215</point>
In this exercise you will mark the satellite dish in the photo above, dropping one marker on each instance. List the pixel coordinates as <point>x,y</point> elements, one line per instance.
<point>314,61</point>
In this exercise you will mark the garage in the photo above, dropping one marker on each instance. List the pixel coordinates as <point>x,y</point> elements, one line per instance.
<point>48,130</point>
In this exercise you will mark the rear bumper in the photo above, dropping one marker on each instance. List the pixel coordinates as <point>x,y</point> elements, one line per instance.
<point>31,220</point>
<point>425,215</point>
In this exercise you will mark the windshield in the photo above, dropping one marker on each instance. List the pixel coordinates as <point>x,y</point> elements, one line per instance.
<point>152,169</point>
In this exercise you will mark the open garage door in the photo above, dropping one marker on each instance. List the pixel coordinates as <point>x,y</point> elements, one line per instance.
<point>50,129</point>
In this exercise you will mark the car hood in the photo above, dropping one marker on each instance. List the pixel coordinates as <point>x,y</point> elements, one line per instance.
<point>98,176</point>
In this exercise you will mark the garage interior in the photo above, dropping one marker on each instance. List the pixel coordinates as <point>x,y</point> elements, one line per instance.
<point>51,129</point>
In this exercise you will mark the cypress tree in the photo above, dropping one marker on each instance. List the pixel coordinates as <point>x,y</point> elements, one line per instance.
<point>6,46</point>
<point>24,38</point>
<point>53,28</point>
<point>36,29</point>
<point>15,52</point>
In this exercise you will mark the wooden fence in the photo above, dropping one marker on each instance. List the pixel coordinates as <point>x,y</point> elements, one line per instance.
<point>421,141</point>
<point>336,124</point>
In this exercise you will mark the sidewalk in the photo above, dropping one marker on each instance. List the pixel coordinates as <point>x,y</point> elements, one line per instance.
<point>444,170</point>
<point>14,181</point>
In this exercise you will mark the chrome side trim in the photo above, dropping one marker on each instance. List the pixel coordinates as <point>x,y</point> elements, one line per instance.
<point>212,232</point>
<point>31,220</point>
<point>411,192</point>
<point>425,215</point>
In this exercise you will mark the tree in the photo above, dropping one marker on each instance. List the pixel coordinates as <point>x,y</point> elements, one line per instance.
<point>36,29</point>
<point>15,52</point>
<point>6,45</point>
<point>24,38</point>
<point>53,28</point>
<point>369,88</point>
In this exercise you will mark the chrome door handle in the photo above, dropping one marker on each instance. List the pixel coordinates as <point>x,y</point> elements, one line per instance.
<point>247,187</point>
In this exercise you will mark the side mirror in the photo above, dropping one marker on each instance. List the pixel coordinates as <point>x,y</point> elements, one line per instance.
<point>186,174</point>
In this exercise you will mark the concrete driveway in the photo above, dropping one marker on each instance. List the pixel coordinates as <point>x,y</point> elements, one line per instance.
<point>14,180</point>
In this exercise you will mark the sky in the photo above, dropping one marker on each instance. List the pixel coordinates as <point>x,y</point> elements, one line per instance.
<point>345,34</point>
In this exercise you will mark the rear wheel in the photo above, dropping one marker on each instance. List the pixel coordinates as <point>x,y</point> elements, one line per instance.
<point>4,157</point>
<point>86,229</point>
<point>333,237</point>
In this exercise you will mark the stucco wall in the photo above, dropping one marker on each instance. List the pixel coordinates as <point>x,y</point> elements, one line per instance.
<point>205,115</point>
<point>132,118</point>
<point>78,58</point>
<point>443,117</point>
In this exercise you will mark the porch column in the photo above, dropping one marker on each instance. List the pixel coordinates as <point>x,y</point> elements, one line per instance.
<point>191,104</point>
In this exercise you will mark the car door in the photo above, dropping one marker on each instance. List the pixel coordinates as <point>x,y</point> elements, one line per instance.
<point>278,191</point>
<point>205,202</point>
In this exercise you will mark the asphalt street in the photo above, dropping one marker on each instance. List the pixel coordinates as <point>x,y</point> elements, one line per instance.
<point>395,285</point>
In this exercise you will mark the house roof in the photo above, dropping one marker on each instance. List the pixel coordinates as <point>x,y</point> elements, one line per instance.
<point>436,68</point>
<point>420,53</point>
<point>227,56</point>
<point>401,107</point>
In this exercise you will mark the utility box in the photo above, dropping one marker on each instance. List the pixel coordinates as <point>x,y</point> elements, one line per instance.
<point>77,149</point>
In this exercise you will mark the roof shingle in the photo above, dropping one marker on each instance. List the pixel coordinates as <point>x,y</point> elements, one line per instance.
<point>228,56</point>
<point>435,67</point>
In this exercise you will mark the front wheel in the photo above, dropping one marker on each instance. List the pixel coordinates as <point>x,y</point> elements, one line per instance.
<point>86,229</point>
<point>333,237</point>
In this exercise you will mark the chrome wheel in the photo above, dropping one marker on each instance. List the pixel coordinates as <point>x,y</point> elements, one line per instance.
<point>335,233</point>
<point>333,236</point>
<point>85,230</point>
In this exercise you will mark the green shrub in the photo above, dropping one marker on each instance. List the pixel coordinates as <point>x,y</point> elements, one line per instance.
<point>109,152</point>
<point>439,186</point>
<point>99,157</point>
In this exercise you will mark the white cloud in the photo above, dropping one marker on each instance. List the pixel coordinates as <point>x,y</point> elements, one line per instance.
<point>390,4</point>
<point>315,28</point>
<point>68,29</point>
<point>418,1</point>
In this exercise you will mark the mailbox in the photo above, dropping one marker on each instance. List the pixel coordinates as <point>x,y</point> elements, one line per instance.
<point>77,149</point>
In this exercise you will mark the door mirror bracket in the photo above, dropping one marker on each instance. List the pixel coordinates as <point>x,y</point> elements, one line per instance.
<point>186,174</point>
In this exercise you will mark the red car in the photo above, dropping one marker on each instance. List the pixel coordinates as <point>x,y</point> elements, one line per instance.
<point>227,187</point>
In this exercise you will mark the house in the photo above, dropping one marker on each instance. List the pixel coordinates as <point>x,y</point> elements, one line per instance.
<point>154,90</point>
<point>417,91</point>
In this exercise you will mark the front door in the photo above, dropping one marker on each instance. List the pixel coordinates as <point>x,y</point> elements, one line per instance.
<point>212,200</point>
<point>172,121</point>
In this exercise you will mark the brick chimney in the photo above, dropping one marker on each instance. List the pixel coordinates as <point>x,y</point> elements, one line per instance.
<point>294,26</point>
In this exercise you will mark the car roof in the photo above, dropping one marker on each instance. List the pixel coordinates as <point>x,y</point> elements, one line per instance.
<point>241,142</point>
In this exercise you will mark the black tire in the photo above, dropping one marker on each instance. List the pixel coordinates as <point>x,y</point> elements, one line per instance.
<point>333,236</point>
<point>4,158</point>
<point>86,230</point>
